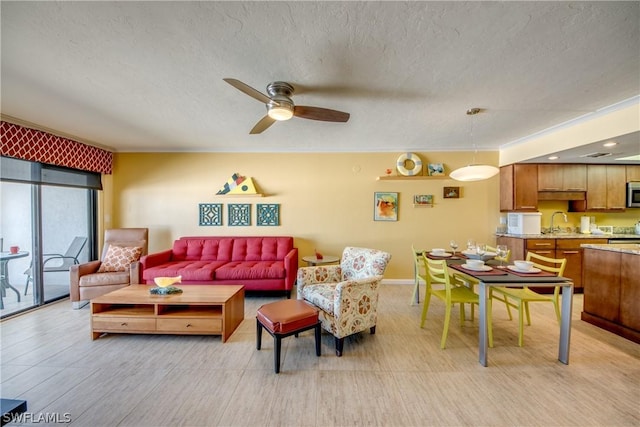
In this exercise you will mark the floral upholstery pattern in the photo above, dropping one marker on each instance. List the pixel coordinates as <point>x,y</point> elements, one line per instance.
<point>345,294</point>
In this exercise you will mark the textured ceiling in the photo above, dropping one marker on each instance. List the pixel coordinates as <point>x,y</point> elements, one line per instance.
<point>147,76</point>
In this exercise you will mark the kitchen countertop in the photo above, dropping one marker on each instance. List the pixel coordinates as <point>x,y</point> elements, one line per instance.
<point>627,248</point>
<point>570,236</point>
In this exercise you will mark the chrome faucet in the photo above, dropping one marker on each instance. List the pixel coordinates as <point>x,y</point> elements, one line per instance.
<point>553,229</point>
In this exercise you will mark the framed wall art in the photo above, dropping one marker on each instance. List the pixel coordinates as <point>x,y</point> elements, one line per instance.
<point>436,169</point>
<point>451,192</point>
<point>423,200</point>
<point>385,206</point>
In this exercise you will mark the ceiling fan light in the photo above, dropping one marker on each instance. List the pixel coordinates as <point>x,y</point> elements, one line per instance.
<point>282,111</point>
<point>474,173</point>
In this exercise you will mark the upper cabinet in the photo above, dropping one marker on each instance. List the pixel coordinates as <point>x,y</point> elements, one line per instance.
<point>585,187</point>
<point>633,173</point>
<point>606,187</point>
<point>519,187</point>
<point>562,177</point>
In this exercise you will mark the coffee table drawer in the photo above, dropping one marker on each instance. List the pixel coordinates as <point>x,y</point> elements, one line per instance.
<point>123,323</point>
<point>187,325</point>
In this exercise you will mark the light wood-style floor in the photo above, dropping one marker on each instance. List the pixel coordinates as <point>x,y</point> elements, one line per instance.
<point>397,377</point>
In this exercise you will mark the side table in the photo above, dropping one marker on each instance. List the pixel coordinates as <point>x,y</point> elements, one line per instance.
<point>312,260</point>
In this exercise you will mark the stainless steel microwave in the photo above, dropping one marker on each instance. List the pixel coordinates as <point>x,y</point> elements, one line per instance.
<point>633,194</point>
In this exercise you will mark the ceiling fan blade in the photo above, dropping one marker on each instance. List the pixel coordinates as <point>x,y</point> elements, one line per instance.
<point>317,113</point>
<point>248,90</point>
<point>262,125</point>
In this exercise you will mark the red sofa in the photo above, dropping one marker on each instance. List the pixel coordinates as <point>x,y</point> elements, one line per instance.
<point>258,263</point>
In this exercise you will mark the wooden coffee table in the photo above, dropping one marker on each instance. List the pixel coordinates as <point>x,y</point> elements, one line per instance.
<point>198,310</point>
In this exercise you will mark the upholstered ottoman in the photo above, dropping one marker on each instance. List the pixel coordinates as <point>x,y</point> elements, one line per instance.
<point>284,318</point>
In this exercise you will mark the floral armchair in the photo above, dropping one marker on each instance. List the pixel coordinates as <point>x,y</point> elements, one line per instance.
<point>345,294</point>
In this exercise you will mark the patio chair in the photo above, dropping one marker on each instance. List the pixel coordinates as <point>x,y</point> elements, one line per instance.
<point>58,262</point>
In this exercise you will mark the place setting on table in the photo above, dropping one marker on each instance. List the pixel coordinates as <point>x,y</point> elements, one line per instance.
<point>475,261</point>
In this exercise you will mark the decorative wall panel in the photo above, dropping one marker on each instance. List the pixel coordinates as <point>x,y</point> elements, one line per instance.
<point>210,214</point>
<point>239,214</point>
<point>268,214</point>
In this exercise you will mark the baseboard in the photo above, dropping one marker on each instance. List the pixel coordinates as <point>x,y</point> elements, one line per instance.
<point>398,282</point>
<point>77,305</point>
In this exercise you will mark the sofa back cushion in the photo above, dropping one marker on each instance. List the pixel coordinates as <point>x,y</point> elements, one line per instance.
<point>211,248</point>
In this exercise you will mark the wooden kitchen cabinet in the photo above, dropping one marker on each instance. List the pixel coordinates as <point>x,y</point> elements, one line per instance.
<point>612,292</point>
<point>630,291</point>
<point>515,245</point>
<point>602,284</point>
<point>562,177</point>
<point>573,252</point>
<point>519,187</point>
<point>633,173</point>
<point>606,187</point>
<point>552,248</point>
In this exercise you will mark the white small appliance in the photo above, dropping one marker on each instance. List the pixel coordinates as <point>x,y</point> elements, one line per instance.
<point>524,222</point>
<point>585,224</point>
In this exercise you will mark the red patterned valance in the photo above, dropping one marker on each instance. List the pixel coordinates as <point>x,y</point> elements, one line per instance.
<point>38,146</point>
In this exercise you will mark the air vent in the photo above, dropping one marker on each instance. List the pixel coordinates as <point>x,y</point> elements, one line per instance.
<point>596,155</point>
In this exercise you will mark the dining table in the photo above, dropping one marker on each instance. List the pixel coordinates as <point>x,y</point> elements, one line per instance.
<point>503,276</point>
<point>5,257</point>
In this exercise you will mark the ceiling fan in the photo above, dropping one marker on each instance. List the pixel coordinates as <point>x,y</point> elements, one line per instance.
<point>280,106</point>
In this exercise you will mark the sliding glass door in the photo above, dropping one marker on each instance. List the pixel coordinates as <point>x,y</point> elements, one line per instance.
<point>15,236</point>
<point>50,215</point>
<point>65,233</point>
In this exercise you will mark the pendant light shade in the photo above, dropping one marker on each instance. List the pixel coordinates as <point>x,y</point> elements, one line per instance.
<point>474,172</point>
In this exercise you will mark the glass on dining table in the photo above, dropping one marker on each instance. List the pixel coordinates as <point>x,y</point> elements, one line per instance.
<point>501,252</point>
<point>481,249</point>
<point>471,245</point>
<point>454,246</point>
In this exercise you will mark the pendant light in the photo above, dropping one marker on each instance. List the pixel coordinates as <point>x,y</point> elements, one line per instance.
<point>474,172</point>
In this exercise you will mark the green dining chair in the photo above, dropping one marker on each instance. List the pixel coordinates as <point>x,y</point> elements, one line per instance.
<point>451,290</point>
<point>420,274</point>
<point>519,298</point>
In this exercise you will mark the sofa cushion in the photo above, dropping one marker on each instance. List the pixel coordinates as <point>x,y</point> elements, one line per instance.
<point>201,271</point>
<point>236,270</point>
